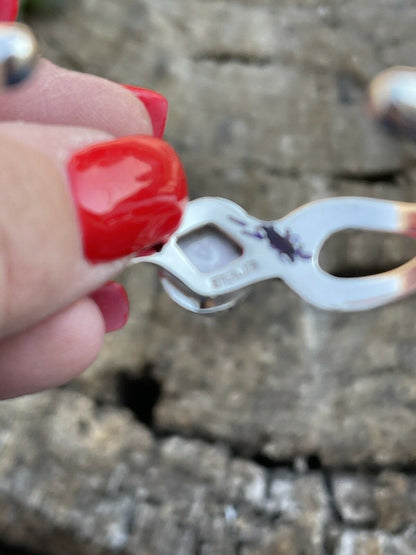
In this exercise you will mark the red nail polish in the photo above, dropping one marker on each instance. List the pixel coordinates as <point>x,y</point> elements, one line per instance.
<point>9,10</point>
<point>113,302</point>
<point>130,194</point>
<point>157,106</point>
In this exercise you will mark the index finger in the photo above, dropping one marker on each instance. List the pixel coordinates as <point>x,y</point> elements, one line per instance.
<point>58,96</point>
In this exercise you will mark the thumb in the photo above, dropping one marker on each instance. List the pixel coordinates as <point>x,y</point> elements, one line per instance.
<point>74,203</point>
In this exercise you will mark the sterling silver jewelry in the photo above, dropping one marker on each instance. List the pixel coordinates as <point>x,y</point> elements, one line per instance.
<point>220,252</point>
<point>18,54</point>
<point>392,96</point>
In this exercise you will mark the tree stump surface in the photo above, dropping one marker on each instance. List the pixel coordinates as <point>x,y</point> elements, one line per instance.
<point>276,428</point>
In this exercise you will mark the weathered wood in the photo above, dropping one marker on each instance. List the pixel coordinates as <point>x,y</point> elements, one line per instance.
<point>275,428</point>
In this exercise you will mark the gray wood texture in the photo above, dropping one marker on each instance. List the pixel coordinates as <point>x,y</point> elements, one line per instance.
<point>275,428</point>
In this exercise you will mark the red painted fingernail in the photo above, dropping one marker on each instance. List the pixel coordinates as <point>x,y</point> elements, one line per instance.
<point>9,10</point>
<point>157,106</point>
<point>130,194</point>
<point>113,302</point>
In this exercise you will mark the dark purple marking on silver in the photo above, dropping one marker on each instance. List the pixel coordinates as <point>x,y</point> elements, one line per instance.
<point>288,246</point>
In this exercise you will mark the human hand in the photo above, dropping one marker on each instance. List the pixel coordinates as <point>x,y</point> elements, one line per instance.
<point>84,184</point>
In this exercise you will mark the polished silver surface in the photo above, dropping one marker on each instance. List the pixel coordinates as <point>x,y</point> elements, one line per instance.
<point>392,97</point>
<point>220,252</point>
<point>18,54</point>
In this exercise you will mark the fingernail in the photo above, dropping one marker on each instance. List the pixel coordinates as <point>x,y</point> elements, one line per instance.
<point>9,10</point>
<point>113,302</point>
<point>130,194</point>
<point>157,106</point>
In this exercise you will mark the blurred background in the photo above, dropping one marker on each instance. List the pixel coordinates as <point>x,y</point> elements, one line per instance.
<point>275,428</point>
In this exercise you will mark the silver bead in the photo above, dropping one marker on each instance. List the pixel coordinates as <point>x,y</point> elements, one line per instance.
<point>18,54</point>
<point>392,96</point>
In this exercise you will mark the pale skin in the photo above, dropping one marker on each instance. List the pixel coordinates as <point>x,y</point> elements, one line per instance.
<point>50,329</point>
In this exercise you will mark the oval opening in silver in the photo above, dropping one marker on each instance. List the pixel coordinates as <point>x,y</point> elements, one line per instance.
<point>357,253</point>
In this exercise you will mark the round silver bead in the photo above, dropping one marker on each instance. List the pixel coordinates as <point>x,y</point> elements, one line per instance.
<point>18,54</point>
<point>392,96</point>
